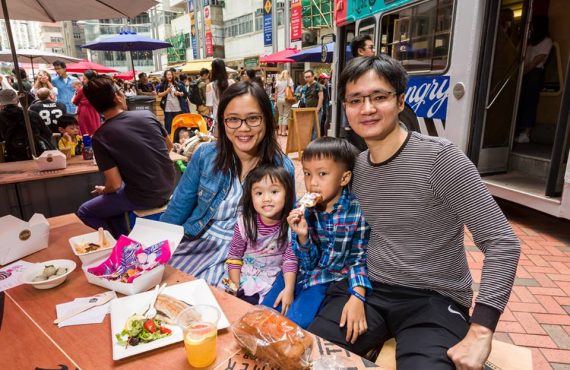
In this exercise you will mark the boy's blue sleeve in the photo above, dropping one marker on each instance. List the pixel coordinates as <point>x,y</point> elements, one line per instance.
<point>358,271</point>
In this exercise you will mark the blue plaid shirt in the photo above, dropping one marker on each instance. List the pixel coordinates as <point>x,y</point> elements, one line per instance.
<point>336,246</point>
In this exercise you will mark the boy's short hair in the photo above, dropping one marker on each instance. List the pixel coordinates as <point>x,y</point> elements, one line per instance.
<point>204,71</point>
<point>384,66</point>
<point>339,150</point>
<point>66,120</point>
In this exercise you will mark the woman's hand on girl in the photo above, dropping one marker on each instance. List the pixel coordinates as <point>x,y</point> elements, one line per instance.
<point>298,224</point>
<point>354,318</point>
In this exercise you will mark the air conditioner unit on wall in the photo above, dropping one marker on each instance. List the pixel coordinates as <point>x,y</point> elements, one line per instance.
<point>309,37</point>
<point>280,6</point>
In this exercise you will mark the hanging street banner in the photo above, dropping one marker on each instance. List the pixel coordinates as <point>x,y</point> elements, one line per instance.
<point>190,5</point>
<point>208,28</point>
<point>193,36</point>
<point>296,20</point>
<point>267,23</point>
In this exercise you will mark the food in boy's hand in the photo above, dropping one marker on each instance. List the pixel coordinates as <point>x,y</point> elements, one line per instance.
<point>310,200</point>
<point>168,308</point>
<point>273,338</point>
<point>139,329</point>
<point>50,272</point>
<point>102,243</point>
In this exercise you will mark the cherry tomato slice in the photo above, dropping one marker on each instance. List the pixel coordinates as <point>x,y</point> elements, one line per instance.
<point>149,326</point>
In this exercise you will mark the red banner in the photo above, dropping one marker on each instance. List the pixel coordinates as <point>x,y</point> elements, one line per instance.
<point>296,20</point>
<point>208,29</point>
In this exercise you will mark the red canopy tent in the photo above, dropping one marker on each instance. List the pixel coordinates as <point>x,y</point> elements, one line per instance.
<point>279,57</point>
<point>84,65</point>
<point>127,76</point>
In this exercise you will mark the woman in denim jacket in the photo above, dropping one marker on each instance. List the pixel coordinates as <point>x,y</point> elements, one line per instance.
<point>207,198</point>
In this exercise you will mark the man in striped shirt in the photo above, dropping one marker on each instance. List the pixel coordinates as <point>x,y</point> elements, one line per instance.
<point>417,194</point>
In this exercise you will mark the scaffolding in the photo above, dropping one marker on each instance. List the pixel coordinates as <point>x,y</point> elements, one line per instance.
<point>317,13</point>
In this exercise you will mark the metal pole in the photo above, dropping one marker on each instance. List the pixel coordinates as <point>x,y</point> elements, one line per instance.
<point>133,66</point>
<point>200,31</point>
<point>274,28</point>
<point>19,78</point>
<point>287,29</point>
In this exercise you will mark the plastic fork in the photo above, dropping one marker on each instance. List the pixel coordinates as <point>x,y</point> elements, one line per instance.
<point>151,311</point>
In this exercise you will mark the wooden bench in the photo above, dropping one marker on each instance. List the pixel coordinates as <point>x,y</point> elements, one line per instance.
<point>504,356</point>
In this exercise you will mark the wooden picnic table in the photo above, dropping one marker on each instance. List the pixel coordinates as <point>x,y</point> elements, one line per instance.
<point>29,339</point>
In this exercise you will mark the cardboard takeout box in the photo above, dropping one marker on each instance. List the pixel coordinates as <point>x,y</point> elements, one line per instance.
<point>147,232</point>
<point>51,160</point>
<point>20,238</point>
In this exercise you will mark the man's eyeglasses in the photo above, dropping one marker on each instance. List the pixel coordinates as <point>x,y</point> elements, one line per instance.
<point>236,122</point>
<point>376,98</point>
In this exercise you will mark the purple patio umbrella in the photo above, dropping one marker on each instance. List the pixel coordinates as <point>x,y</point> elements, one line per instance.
<point>128,41</point>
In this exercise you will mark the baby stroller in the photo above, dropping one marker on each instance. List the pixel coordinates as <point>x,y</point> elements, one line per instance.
<point>199,133</point>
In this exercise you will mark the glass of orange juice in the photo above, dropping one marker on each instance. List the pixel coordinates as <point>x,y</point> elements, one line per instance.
<point>200,327</point>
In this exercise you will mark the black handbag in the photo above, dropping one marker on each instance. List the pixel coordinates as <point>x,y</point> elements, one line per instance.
<point>163,103</point>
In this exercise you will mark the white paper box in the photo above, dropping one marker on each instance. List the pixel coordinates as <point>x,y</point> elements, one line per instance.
<point>147,232</point>
<point>19,238</point>
<point>51,160</point>
<point>90,257</point>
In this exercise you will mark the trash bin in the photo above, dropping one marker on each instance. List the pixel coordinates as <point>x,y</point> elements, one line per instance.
<point>141,103</point>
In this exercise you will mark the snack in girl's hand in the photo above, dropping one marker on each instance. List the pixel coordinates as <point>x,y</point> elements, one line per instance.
<point>310,200</point>
<point>274,338</point>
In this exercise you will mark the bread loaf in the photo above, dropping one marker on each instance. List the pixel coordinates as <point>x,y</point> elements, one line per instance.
<point>272,337</point>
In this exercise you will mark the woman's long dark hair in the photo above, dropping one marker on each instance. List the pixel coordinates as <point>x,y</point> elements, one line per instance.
<point>269,152</point>
<point>164,81</point>
<point>276,175</point>
<point>219,76</point>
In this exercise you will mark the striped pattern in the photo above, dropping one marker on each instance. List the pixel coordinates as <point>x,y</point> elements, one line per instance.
<point>417,204</point>
<point>205,257</point>
<point>238,246</point>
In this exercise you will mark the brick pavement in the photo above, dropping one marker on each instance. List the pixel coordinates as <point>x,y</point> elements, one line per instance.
<point>538,313</point>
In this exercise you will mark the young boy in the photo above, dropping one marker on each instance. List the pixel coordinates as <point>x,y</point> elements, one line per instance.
<point>70,138</point>
<point>329,239</point>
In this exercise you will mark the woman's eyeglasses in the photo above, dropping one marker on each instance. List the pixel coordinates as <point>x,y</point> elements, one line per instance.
<point>236,122</point>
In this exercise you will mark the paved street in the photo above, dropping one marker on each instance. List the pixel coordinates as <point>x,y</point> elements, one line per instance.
<point>537,315</point>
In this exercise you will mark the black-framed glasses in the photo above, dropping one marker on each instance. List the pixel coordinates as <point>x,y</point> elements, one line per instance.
<point>236,122</point>
<point>376,98</point>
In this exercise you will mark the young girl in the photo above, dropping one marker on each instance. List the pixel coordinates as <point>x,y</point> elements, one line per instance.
<point>260,247</point>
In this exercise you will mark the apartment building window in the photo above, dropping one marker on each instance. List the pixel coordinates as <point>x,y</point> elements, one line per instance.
<point>258,19</point>
<point>77,35</point>
<point>238,26</point>
<point>56,39</point>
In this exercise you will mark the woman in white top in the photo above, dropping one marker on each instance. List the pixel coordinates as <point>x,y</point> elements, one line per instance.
<point>43,79</point>
<point>537,52</point>
<point>216,88</point>
<point>283,106</point>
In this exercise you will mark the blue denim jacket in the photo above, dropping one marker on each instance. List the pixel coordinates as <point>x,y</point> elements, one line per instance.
<point>201,190</point>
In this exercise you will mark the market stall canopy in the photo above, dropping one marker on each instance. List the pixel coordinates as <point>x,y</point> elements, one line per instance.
<point>315,53</point>
<point>84,65</point>
<point>283,56</point>
<point>35,56</point>
<point>68,10</point>
<point>129,75</point>
<point>194,66</point>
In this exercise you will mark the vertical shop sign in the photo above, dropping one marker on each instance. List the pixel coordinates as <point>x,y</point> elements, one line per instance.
<point>193,35</point>
<point>190,5</point>
<point>208,28</point>
<point>267,23</point>
<point>296,20</point>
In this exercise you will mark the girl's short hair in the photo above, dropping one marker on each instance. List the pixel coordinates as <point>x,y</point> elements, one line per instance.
<point>339,150</point>
<point>249,215</point>
<point>269,152</point>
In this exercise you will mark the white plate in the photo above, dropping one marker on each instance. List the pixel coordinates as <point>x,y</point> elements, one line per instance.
<point>193,292</point>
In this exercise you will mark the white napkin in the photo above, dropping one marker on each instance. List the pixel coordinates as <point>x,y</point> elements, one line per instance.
<point>10,275</point>
<point>95,315</point>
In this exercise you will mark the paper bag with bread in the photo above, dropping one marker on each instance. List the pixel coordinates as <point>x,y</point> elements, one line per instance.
<point>274,338</point>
